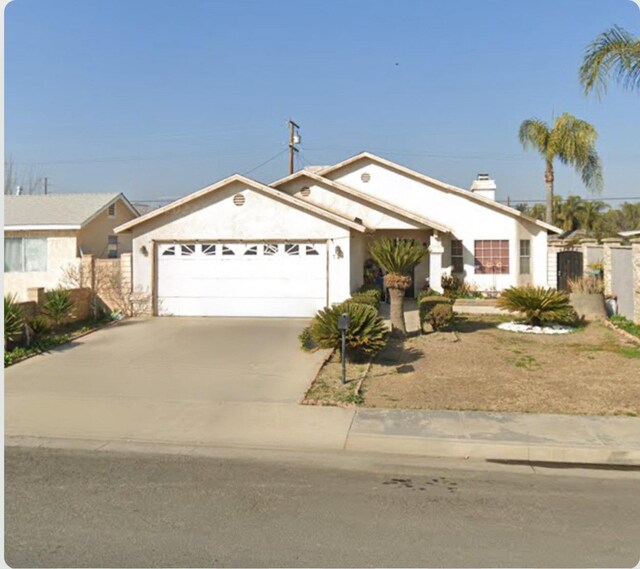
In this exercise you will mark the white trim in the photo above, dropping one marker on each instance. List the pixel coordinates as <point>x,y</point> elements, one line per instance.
<point>296,202</point>
<point>60,227</point>
<point>442,185</point>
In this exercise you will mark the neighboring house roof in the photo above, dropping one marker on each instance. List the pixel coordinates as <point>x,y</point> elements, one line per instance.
<point>281,196</point>
<point>631,233</point>
<point>398,211</point>
<point>439,184</point>
<point>56,211</point>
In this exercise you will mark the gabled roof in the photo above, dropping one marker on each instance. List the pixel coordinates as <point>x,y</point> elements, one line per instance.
<point>56,211</point>
<point>280,196</point>
<point>348,190</point>
<point>439,184</point>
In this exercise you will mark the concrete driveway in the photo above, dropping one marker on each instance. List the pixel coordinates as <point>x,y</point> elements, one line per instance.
<point>176,359</point>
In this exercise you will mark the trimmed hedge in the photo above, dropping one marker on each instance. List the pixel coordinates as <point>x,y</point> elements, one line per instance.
<point>370,290</point>
<point>427,304</point>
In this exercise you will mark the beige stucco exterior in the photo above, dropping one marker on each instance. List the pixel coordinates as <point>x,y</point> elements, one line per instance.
<point>64,249</point>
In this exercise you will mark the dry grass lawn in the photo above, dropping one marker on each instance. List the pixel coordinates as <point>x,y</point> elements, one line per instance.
<point>591,371</point>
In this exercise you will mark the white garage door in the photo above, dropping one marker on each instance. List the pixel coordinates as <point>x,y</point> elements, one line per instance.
<point>241,279</point>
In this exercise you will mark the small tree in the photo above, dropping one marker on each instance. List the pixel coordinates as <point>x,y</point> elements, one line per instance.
<point>397,257</point>
<point>12,320</point>
<point>538,304</point>
<point>57,306</point>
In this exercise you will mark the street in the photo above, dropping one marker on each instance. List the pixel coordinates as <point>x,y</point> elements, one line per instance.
<point>78,508</point>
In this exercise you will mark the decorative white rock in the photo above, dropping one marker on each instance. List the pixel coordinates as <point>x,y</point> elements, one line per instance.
<point>526,329</point>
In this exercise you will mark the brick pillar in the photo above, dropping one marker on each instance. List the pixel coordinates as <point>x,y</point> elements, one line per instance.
<point>86,272</point>
<point>607,244</point>
<point>635,261</point>
<point>36,295</point>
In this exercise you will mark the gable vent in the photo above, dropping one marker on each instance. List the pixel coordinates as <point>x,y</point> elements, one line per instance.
<point>304,192</point>
<point>239,200</point>
<point>365,177</point>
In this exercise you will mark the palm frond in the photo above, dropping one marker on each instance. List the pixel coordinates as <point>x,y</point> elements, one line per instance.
<point>534,133</point>
<point>397,256</point>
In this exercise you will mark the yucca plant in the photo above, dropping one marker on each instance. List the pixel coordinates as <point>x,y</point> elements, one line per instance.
<point>367,332</point>
<point>12,320</point>
<point>540,305</point>
<point>57,306</point>
<point>397,257</point>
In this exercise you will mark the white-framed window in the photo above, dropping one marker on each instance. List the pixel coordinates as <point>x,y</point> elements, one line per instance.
<point>457,257</point>
<point>525,256</point>
<point>492,257</point>
<point>24,255</point>
<point>112,210</point>
<point>112,247</point>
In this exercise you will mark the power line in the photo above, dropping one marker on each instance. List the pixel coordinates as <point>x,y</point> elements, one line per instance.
<point>517,201</point>
<point>265,162</point>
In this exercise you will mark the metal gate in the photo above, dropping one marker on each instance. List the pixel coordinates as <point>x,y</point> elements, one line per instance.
<point>569,267</point>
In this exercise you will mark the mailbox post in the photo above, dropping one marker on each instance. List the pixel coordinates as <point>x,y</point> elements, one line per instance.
<point>343,325</point>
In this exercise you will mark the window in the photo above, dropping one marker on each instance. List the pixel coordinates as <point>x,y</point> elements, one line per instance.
<point>251,250</point>
<point>270,249</point>
<point>170,251</point>
<point>492,257</point>
<point>525,256</point>
<point>312,250</point>
<point>188,250</point>
<point>25,255</point>
<point>457,259</point>
<point>112,210</point>
<point>227,250</point>
<point>292,249</point>
<point>112,247</point>
<point>209,250</point>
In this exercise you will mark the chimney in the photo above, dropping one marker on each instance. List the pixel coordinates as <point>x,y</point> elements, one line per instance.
<point>484,186</point>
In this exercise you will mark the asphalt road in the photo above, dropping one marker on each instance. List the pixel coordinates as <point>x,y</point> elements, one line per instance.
<point>77,508</point>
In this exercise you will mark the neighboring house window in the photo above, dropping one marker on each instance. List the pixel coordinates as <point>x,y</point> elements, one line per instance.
<point>112,210</point>
<point>492,257</point>
<point>23,255</point>
<point>525,256</point>
<point>456,256</point>
<point>112,250</point>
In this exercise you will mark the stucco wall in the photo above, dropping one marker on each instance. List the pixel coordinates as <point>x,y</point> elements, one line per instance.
<point>93,238</point>
<point>261,218</point>
<point>61,254</point>
<point>469,220</point>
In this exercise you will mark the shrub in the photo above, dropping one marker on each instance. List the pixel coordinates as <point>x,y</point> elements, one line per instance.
<point>538,304</point>
<point>427,304</point>
<point>306,341</point>
<point>427,292</point>
<point>369,298</point>
<point>588,284</point>
<point>440,316</point>
<point>39,327</point>
<point>370,289</point>
<point>367,332</point>
<point>12,320</point>
<point>57,305</point>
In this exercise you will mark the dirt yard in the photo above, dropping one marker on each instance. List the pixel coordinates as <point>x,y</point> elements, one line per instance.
<point>478,367</point>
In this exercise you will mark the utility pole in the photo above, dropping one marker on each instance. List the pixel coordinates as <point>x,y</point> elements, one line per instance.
<point>46,185</point>
<point>294,138</point>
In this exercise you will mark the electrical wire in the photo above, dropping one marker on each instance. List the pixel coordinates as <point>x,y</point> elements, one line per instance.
<point>265,162</point>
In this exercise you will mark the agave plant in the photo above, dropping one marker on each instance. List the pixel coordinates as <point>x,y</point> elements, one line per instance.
<point>57,306</point>
<point>538,304</point>
<point>367,332</point>
<point>12,320</point>
<point>397,257</point>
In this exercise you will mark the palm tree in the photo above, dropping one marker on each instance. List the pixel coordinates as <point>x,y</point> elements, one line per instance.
<point>570,212</point>
<point>590,213</point>
<point>397,257</point>
<point>572,141</point>
<point>615,52</point>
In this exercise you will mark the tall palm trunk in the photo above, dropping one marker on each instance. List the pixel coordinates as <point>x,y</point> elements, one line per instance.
<point>396,310</point>
<point>548,180</point>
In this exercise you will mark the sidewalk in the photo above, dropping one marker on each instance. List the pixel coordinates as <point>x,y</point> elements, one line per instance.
<point>35,421</point>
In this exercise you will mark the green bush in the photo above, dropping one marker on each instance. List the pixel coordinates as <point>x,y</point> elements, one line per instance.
<point>367,332</point>
<point>427,292</point>
<point>440,316</point>
<point>39,326</point>
<point>368,298</point>
<point>427,304</point>
<point>13,320</point>
<point>370,289</point>
<point>539,305</point>
<point>57,305</point>
<point>306,341</point>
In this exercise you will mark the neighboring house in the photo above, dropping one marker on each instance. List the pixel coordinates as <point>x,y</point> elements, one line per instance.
<point>242,248</point>
<point>630,234</point>
<point>46,234</point>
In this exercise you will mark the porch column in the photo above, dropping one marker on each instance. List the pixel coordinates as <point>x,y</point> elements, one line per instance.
<point>607,244</point>
<point>435,262</point>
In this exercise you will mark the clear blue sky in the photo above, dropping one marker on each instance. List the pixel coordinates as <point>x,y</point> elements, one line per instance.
<point>159,98</point>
